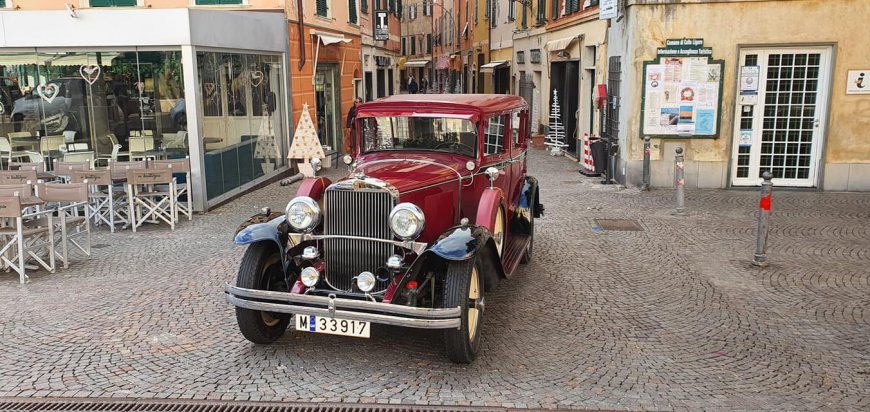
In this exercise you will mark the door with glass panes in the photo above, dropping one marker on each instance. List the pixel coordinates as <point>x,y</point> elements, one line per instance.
<point>779,122</point>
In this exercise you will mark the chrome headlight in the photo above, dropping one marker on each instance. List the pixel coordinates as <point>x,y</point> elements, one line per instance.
<point>365,281</point>
<point>309,276</point>
<point>303,214</point>
<point>406,221</point>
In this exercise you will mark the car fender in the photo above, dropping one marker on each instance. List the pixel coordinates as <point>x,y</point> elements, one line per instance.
<point>522,219</point>
<point>265,228</point>
<point>463,243</point>
<point>490,200</point>
<point>313,187</point>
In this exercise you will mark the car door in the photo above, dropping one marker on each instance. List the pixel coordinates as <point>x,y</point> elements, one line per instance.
<point>496,150</point>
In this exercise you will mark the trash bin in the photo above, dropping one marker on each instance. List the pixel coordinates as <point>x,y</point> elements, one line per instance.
<point>599,154</point>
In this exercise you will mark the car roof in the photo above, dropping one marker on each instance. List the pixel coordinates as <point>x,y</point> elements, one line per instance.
<point>482,102</point>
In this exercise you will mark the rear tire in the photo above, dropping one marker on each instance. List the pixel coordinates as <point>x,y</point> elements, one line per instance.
<point>464,288</point>
<point>261,269</point>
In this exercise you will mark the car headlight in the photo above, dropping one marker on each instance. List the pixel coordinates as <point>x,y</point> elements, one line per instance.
<point>303,214</point>
<point>406,221</point>
<point>365,281</point>
<point>309,276</point>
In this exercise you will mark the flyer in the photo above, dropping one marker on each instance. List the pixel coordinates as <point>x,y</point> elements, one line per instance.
<point>655,78</point>
<point>749,76</point>
<point>669,116</point>
<point>705,121</point>
<point>745,138</point>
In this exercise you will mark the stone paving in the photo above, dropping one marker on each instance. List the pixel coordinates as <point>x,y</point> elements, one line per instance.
<point>670,317</point>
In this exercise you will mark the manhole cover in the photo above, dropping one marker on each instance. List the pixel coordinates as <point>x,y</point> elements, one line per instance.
<point>618,224</point>
<point>99,246</point>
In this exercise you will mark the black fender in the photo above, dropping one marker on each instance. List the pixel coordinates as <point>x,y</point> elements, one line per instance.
<point>266,228</point>
<point>461,243</point>
<point>527,207</point>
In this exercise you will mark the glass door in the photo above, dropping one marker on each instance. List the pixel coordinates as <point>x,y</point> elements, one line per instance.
<point>328,117</point>
<point>781,105</point>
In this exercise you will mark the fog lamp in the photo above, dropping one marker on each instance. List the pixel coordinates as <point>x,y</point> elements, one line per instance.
<point>310,253</point>
<point>309,276</point>
<point>365,281</point>
<point>394,262</point>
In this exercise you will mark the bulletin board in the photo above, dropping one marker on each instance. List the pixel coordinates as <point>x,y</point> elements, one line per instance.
<point>682,91</point>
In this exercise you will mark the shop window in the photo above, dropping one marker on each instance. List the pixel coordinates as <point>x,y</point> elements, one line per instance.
<point>352,16</point>
<point>216,2</point>
<point>493,142</point>
<point>113,3</point>
<point>323,8</point>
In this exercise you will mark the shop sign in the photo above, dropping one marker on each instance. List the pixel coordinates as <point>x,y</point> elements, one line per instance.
<point>858,82</point>
<point>682,91</point>
<point>383,61</point>
<point>382,28</point>
<point>607,9</point>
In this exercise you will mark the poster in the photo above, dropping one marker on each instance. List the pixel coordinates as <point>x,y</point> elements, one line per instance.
<point>858,82</point>
<point>745,138</point>
<point>681,91</point>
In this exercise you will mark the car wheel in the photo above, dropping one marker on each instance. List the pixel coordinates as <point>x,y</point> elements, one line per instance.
<point>527,255</point>
<point>464,288</point>
<point>498,233</point>
<point>261,269</point>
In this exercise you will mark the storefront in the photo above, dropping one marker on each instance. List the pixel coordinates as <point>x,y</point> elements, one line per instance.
<point>786,99</point>
<point>208,84</point>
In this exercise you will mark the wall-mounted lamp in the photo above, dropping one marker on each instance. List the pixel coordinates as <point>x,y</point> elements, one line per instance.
<point>563,54</point>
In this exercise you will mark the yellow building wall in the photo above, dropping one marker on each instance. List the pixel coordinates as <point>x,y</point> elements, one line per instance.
<point>726,25</point>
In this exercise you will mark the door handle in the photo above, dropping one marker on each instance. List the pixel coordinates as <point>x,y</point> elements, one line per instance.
<point>815,122</point>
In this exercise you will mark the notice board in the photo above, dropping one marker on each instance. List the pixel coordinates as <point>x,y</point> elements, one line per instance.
<point>682,91</point>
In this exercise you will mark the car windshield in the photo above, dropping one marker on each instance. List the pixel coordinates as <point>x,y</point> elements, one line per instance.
<point>450,135</point>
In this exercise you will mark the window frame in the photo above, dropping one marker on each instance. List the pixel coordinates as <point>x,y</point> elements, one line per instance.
<point>364,6</point>
<point>499,134</point>
<point>91,5</point>
<point>353,12</point>
<point>327,12</point>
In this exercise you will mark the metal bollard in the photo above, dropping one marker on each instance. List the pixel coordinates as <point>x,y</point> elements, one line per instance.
<point>679,182</point>
<point>646,154</point>
<point>760,258</point>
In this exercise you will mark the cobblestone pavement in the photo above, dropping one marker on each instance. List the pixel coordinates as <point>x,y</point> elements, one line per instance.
<point>670,317</point>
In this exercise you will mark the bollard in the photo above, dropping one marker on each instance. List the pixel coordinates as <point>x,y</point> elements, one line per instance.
<point>679,182</point>
<point>760,258</point>
<point>646,154</point>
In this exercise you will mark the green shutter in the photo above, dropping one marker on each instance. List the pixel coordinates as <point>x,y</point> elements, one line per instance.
<point>102,3</point>
<point>399,9</point>
<point>322,8</point>
<point>364,6</point>
<point>555,11</point>
<point>2,3</point>
<point>351,7</point>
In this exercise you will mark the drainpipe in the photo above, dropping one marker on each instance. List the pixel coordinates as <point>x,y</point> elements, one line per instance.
<point>301,23</point>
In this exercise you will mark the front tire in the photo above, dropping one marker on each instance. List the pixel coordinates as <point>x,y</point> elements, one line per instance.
<point>261,269</point>
<point>464,288</point>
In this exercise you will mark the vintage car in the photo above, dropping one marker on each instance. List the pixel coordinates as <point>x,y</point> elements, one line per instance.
<point>436,210</point>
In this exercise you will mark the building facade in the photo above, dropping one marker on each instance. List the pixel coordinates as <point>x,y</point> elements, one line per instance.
<point>210,84</point>
<point>380,57</point>
<point>740,96</point>
<point>503,25</point>
<point>418,29</point>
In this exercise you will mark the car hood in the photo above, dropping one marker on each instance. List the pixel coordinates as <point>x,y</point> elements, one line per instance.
<point>408,172</point>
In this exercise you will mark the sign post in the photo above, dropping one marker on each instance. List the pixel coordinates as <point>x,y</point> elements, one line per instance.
<point>382,29</point>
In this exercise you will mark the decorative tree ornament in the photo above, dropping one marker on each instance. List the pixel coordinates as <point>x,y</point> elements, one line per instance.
<point>306,144</point>
<point>556,133</point>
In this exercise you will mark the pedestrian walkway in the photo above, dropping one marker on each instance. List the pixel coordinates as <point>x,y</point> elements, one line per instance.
<point>672,316</point>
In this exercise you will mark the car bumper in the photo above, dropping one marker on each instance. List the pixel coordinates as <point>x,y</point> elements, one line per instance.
<point>350,309</point>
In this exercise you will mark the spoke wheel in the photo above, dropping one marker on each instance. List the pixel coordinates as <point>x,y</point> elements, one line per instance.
<point>261,269</point>
<point>464,289</point>
<point>498,231</point>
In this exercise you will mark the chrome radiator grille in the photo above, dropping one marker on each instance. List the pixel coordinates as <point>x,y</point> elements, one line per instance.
<point>362,213</point>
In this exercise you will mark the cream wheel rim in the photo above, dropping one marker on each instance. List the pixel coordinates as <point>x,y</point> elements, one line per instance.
<point>498,231</point>
<point>473,311</point>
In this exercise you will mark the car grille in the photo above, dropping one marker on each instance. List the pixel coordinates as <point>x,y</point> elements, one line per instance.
<point>363,213</point>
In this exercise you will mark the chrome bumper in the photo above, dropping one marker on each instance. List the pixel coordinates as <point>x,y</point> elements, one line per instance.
<point>350,309</point>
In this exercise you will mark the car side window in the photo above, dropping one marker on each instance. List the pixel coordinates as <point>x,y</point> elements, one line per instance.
<point>493,142</point>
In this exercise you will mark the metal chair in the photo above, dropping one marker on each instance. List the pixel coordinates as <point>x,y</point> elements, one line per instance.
<point>7,153</point>
<point>71,204</point>
<point>64,170</point>
<point>23,238</point>
<point>143,194</point>
<point>119,169</point>
<point>98,162</point>
<point>70,157</point>
<point>178,166</point>
<point>17,177</point>
<point>38,167</point>
<point>107,202</point>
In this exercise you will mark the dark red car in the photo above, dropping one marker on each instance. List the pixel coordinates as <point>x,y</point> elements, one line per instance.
<point>437,209</point>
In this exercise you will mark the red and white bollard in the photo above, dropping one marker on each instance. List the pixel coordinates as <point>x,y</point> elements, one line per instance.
<point>760,258</point>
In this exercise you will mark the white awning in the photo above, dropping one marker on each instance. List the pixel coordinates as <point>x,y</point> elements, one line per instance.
<point>560,44</point>
<point>417,63</point>
<point>328,39</point>
<point>491,66</point>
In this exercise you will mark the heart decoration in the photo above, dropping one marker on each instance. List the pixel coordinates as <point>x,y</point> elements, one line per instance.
<point>48,91</point>
<point>209,89</point>
<point>90,72</point>
<point>257,78</point>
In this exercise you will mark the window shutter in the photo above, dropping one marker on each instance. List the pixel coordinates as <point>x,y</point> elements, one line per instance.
<point>555,11</point>
<point>2,3</point>
<point>322,8</point>
<point>399,9</point>
<point>364,6</point>
<point>488,9</point>
<point>413,46</point>
<point>392,6</point>
<point>351,8</point>
<point>511,10</point>
<point>404,47</point>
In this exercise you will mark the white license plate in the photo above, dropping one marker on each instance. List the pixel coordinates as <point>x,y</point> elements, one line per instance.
<point>332,326</point>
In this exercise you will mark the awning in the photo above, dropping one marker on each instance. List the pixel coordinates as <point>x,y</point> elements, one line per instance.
<point>79,59</point>
<point>491,66</point>
<point>417,63</point>
<point>560,44</point>
<point>328,39</point>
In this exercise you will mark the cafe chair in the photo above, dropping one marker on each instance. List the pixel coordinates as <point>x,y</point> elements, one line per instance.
<point>175,140</point>
<point>103,161</point>
<point>38,167</point>
<point>50,144</point>
<point>119,169</point>
<point>64,170</point>
<point>147,200</point>
<point>107,202</point>
<point>70,201</point>
<point>8,154</point>
<point>24,238</point>
<point>114,142</point>
<point>73,157</point>
<point>140,146</point>
<point>21,139</point>
<point>17,177</point>
<point>182,189</point>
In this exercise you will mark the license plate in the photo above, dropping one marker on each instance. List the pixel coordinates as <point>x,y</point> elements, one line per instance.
<point>332,326</point>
